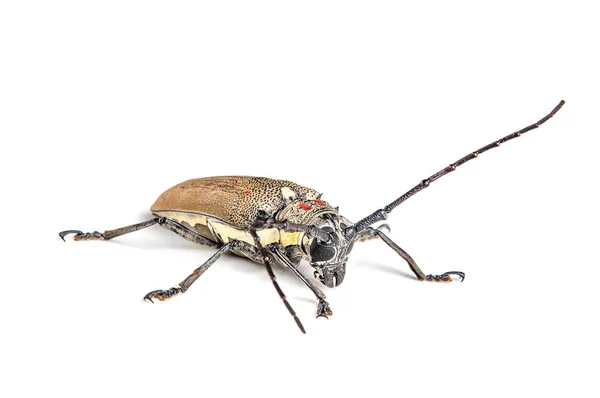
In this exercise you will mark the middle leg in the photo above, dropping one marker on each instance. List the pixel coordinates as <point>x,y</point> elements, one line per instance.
<point>187,282</point>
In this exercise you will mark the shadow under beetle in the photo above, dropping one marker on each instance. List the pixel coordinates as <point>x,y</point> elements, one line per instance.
<point>269,220</point>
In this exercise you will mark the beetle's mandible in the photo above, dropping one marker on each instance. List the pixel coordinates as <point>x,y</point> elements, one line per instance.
<point>276,221</point>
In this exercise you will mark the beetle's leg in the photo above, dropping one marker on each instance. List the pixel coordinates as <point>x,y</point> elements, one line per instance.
<point>266,259</point>
<point>162,221</point>
<point>445,277</point>
<point>370,233</point>
<point>187,282</point>
<point>323,309</point>
<point>106,235</point>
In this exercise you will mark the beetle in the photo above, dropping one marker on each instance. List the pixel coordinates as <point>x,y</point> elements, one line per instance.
<point>277,221</point>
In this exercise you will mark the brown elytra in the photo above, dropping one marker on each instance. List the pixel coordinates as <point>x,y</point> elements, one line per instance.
<point>233,199</point>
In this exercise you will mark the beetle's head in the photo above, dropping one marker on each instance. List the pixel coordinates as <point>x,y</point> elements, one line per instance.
<point>329,258</point>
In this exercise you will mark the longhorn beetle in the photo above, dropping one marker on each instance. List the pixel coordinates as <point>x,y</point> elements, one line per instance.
<point>269,220</point>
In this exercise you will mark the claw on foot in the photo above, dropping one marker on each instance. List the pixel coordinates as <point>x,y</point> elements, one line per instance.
<point>71,231</point>
<point>445,277</point>
<point>81,235</point>
<point>323,309</point>
<point>162,295</point>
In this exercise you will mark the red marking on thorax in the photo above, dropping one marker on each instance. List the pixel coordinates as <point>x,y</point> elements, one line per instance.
<point>319,202</point>
<point>304,206</point>
<point>247,192</point>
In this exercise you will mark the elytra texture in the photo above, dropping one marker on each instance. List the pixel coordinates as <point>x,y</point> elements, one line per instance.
<point>234,199</point>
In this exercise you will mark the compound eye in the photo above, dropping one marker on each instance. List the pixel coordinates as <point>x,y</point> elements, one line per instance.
<point>320,252</point>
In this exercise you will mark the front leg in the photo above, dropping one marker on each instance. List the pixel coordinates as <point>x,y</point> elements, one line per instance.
<point>445,277</point>
<point>266,260</point>
<point>323,309</point>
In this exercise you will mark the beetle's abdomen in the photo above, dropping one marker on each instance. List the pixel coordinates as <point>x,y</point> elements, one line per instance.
<point>236,200</point>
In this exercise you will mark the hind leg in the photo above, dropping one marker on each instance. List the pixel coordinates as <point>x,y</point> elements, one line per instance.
<point>162,221</point>
<point>106,235</point>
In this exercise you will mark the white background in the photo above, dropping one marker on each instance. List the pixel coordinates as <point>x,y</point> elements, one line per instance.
<point>105,105</point>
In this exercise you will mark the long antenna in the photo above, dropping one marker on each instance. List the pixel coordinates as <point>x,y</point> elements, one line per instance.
<point>381,214</point>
